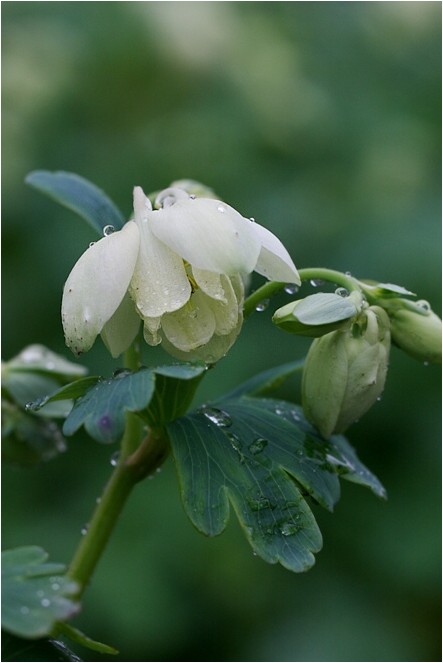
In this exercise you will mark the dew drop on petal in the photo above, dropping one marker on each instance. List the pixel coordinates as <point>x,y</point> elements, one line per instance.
<point>108,230</point>
<point>288,529</point>
<point>342,292</point>
<point>91,244</point>
<point>251,218</point>
<point>221,209</point>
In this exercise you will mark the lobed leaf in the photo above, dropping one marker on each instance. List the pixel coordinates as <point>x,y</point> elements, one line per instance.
<point>35,594</point>
<point>263,457</point>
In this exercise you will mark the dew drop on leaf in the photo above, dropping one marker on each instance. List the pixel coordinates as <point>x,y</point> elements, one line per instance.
<point>218,417</point>
<point>258,445</point>
<point>262,306</point>
<point>291,288</point>
<point>108,230</point>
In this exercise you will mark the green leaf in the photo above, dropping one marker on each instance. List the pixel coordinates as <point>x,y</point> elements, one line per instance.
<point>35,593</point>
<point>80,638</point>
<point>80,196</point>
<point>175,387</point>
<point>102,408</point>
<point>29,389</point>
<point>266,381</point>
<point>67,392</point>
<point>28,439</point>
<point>38,358</point>
<point>19,649</point>
<point>263,457</point>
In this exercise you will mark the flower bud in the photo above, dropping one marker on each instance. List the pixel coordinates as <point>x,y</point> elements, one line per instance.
<point>318,314</point>
<point>345,372</point>
<point>416,329</point>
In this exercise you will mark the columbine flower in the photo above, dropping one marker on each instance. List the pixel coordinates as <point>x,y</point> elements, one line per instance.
<point>179,268</point>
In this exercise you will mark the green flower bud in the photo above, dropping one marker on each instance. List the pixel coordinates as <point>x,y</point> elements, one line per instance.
<point>345,372</point>
<point>416,329</point>
<point>318,314</point>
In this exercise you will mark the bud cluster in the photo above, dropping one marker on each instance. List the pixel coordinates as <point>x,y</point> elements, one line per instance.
<point>346,366</point>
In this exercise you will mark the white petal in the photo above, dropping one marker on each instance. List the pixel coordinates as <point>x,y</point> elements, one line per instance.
<point>119,332</point>
<point>191,326</point>
<point>274,261</point>
<point>210,283</point>
<point>151,331</point>
<point>209,234</point>
<point>159,284</point>
<point>96,286</point>
<point>225,313</point>
<point>142,204</point>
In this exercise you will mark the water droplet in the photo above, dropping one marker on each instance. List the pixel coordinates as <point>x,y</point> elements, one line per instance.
<point>379,398</point>
<point>192,196</point>
<point>251,218</point>
<point>108,230</point>
<point>342,292</point>
<point>24,610</point>
<point>55,586</point>
<point>121,373</point>
<point>422,303</point>
<point>425,363</point>
<point>158,470</point>
<point>348,274</point>
<point>288,529</point>
<point>316,282</point>
<point>98,500</point>
<point>291,288</point>
<point>260,503</point>
<point>40,593</point>
<point>45,603</point>
<point>91,244</point>
<point>84,530</point>
<point>115,458</point>
<point>258,445</point>
<point>218,417</point>
<point>236,445</point>
<point>221,209</point>
<point>262,306</point>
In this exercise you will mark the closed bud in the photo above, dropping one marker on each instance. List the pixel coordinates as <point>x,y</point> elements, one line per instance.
<point>318,314</point>
<point>415,329</point>
<point>345,372</point>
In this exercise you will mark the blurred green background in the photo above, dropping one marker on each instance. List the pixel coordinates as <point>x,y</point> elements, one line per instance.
<point>321,120</point>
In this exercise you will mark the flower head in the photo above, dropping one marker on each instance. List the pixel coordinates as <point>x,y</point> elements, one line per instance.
<point>180,268</point>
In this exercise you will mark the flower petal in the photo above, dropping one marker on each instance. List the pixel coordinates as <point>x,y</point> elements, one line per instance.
<point>151,331</point>
<point>225,313</point>
<point>119,332</point>
<point>159,284</point>
<point>192,326</point>
<point>96,286</point>
<point>210,283</point>
<point>274,261</point>
<point>209,234</point>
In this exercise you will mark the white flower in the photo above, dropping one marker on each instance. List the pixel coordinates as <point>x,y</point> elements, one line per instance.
<point>180,269</point>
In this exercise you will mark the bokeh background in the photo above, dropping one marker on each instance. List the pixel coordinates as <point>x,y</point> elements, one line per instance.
<point>321,120</point>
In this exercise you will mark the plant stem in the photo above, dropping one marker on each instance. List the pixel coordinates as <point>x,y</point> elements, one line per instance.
<point>131,468</point>
<point>309,274</point>
<point>137,460</point>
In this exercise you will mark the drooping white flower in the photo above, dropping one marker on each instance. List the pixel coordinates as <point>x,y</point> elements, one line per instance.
<point>179,268</point>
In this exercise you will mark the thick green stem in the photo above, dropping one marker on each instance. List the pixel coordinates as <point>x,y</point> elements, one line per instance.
<point>309,274</point>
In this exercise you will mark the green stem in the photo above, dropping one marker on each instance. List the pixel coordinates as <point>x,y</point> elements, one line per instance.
<point>309,274</point>
<point>137,460</point>
<point>131,468</point>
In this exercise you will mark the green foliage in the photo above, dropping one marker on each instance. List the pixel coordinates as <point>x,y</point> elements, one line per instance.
<point>19,649</point>
<point>101,404</point>
<point>35,593</point>
<point>263,457</point>
<point>80,196</point>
